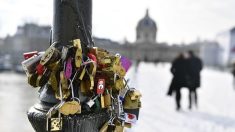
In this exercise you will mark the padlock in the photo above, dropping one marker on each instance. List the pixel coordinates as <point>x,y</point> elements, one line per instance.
<point>53,81</point>
<point>119,128</point>
<point>107,99</point>
<point>118,107</point>
<point>66,94</point>
<point>97,104</point>
<point>126,63</point>
<point>94,51</point>
<point>135,95</point>
<point>32,79</point>
<point>54,66</point>
<point>128,125</point>
<point>64,81</point>
<point>78,54</point>
<point>130,104</point>
<point>130,118</point>
<point>82,73</point>
<point>70,108</point>
<point>100,86</point>
<point>122,93</point>
<point>30,64</point>
<point>119,84</point>
<point>111,128</point>
<point>104,128</point>
<point>91,101</point>
<point>64,53</point>
<point>30,54</point>
<point>122,72</point>
<point>43,79</point>
<point>102,101</point>
<point>68,68</point>
<point>92,57</point>
<point>51,55</point>
<point>91,82</point>
<point>83,87</point>
<point>54,123</point>
<point>92,68</point>
<point>40,69</point>
<point>77,43</point>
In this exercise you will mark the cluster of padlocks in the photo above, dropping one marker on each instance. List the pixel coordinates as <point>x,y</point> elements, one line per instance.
<point>94,73</point>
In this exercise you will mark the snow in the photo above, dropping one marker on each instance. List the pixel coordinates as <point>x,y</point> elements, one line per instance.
<point>216,112</point>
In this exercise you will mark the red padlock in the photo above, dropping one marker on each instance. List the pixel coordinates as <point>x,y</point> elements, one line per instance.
<point>40,69</point>
<point>100,86</point>
<point>92,57</point>
<point>30,54</point>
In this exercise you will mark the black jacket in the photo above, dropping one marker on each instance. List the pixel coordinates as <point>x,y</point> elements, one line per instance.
<point>195,67</point>
<point>178,69</point>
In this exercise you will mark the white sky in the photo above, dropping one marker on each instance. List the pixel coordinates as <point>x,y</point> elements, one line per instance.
<point>178,20</point>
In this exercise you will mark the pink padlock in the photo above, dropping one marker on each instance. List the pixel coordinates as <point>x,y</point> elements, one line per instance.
<point>68,68</point>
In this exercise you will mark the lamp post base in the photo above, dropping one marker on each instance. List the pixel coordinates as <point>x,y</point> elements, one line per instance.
<point>86,122</point>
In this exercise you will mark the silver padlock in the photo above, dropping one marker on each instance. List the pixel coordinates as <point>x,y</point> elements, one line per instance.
<point>91,102</point>
<point>30,64</point>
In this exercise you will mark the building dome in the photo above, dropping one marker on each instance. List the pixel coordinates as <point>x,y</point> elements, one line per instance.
<point>146,29</point>
<point>147,22</point>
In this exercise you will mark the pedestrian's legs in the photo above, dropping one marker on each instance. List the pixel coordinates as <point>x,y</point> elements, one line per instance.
<point>190,99</point>
<point>178,98</point>
<point>195,97</point>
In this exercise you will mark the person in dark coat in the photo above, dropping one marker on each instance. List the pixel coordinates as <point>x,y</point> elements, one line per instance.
<point>193,80</point>
<point>178,81</point>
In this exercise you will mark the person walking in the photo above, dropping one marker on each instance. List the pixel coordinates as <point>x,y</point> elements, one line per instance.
<point>193,79</point>
<point>178,81</point>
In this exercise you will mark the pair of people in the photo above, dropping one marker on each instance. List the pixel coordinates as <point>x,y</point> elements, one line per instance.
<point>186,73</point>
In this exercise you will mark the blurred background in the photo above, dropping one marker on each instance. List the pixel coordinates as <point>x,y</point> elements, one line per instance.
<point>149,32</point>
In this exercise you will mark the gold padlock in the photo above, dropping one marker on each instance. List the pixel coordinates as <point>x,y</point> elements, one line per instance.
<point>82,73</point>
<point>91,84</point>
<point>78,54</point>
<point>83,87</point>
<point>54,66</point>
<point>64,81</point>
<point>135,95</point>
<point>56,124</point>
<point>32,79</point>
<point>43,79</point>
<point>65,94</point>
<point>53,81</point>
<point>70,108</point>
<point>92,69</point>
<point>119,128</point>
<point>119,84</point>
<point>51,55</point>
<point>107,100</point>
<point>130,104</point>
<point>77,43</point>
<point>104,127</point>
<point>53,123</point>
<point>102,101</point>
<point>128,125</point>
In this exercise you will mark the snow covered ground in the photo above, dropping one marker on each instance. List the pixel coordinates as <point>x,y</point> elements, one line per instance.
<point>216,112</point>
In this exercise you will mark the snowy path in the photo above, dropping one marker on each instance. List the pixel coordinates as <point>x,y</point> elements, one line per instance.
<point>216,112</point>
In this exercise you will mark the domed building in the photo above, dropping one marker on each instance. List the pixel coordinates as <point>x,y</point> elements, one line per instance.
<point>146,30</point>
<point>146,47</point>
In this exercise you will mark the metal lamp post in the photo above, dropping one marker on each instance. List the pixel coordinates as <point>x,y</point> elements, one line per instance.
<point>72,19</point>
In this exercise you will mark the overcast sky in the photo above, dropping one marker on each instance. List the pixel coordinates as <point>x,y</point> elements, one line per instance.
<point>177,20</point>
